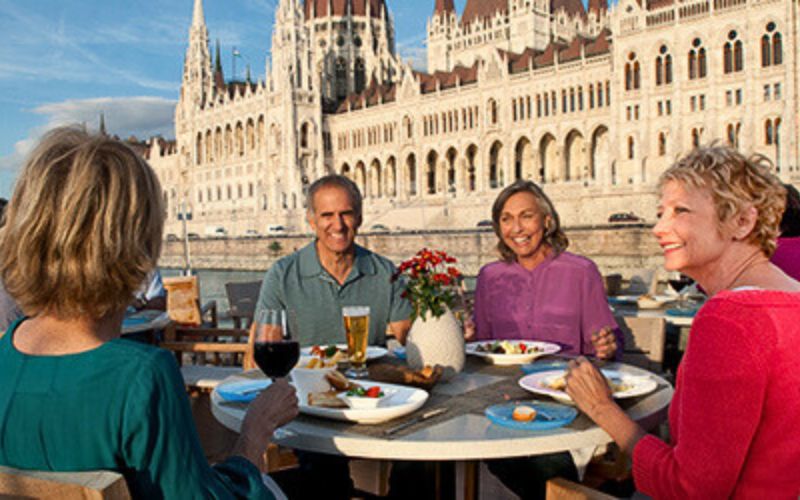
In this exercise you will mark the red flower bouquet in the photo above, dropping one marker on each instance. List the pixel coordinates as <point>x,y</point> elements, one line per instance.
<point>432,282</point>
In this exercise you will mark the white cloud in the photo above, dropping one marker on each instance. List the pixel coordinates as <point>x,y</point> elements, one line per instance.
<point>140,116</point>
<point>413,50</point>
<point>143,117</point>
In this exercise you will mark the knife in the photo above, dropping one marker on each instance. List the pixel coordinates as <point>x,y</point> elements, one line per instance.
<point>419,418</point>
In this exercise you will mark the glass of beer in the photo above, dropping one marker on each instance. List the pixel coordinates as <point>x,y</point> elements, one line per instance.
<point>356,328</point>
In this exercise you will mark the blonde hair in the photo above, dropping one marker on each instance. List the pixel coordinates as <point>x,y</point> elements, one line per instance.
<point>735,182</point>
<point>83,228</point>
<point>554,236</point>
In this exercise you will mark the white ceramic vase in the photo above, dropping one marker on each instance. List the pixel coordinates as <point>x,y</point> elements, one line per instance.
<point>436,341</point>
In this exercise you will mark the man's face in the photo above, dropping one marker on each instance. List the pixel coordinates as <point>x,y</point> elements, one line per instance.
<point>334,220</point>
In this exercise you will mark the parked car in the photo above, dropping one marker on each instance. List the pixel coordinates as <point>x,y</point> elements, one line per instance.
<point>172,237</point>
<point>251,233</point>
<point>379,228</point>
<point>216,232</point>
<point>193,236</point>
<point>276,229</point>
<point>622,217</point>
<point>484,223</point>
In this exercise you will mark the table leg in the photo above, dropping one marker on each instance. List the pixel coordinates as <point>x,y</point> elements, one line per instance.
<point>471,479</point>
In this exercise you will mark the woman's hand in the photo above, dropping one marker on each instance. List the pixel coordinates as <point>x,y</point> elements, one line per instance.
<point>274,407</point>
<point>605,343</point>
<point>589,390</point>
<point>469,328</point>
<point>587,387</point>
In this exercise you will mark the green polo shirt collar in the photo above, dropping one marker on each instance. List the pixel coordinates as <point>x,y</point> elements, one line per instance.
<point>311,267</point>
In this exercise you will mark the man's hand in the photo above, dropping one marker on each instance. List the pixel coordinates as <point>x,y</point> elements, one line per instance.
<point>605,343</point>
<point>274,407</point>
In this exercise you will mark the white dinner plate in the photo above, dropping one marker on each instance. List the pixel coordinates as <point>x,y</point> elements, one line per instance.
<point>373,351</point>
<point>539,349</point>
<point>402,401</point>
<point>634,385</point>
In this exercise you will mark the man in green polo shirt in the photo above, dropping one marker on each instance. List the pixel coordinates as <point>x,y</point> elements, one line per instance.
<point>314,283</point>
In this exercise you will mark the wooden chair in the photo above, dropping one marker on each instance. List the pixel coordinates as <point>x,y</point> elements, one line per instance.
<point>645,339</point>
<point>96,485</point>
<point>562,489</point>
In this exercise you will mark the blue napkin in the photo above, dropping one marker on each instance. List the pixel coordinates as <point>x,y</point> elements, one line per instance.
<point>683,313</point>
<point>242,392</point>
<point>134,321</point>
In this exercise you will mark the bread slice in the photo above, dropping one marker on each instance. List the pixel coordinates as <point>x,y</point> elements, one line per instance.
<point>327,399</point>
<point>339,382</point>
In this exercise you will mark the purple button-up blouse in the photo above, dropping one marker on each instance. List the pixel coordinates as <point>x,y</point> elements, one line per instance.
<point>562,300</point>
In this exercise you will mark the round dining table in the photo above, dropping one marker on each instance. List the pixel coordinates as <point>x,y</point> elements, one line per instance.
<point>461,432</point>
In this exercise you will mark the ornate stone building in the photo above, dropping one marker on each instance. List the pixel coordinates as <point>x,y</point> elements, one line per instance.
<point>592,103</point>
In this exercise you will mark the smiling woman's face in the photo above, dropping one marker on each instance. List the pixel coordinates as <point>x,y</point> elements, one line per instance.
<point>522,225</point>
<point>688,228</point>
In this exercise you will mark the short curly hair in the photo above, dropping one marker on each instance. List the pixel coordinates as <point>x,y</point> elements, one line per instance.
<point>83,228</point>
<point>735,182</point>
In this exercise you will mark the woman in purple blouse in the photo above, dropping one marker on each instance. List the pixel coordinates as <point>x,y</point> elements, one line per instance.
<point>538,290</point>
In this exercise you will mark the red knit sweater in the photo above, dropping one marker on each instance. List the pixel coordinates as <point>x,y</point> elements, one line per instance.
<point>735,415</point>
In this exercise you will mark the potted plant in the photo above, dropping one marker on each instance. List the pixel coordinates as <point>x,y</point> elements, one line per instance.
<point>431,285</point>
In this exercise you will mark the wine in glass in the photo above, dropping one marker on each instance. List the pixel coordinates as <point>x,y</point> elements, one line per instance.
<point>273,351</point>
<point>679,282</point>
<point>356,328</point>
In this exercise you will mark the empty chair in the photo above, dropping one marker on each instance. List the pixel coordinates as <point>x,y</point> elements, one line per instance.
<point>242,298</point>
<point>644,341</point>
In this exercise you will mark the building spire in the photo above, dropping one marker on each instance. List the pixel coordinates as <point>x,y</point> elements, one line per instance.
<point>102,124</point>
<point>217,59</point>
<point>444,7</point>
<point>198,19</point>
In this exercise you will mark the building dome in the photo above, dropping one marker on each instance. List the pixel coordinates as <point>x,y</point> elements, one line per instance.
<point>320,8</point>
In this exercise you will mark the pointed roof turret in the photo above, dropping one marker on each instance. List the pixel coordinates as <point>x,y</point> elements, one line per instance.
<point>198,19</point>
<point>444,7</point>
<point>217,59</point>
<point>102,124</point>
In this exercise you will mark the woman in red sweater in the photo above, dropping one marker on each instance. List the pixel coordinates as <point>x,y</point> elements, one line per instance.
<point>735,415</point>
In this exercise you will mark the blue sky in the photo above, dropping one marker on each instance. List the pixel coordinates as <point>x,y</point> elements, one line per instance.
<point>66,61</point>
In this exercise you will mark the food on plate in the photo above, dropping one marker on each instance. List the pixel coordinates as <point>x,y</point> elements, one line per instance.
<point>326,352</point>
<point>648,301</point>
<point>339,382</point>
<point>559,383</point>
<point>523,413</point>
<point>325,357</point>
<point>360,392</point>
<point>506,347</point>
<point>326,399</point>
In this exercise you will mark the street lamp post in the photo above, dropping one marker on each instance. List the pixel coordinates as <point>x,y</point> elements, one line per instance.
<point>183,216</point>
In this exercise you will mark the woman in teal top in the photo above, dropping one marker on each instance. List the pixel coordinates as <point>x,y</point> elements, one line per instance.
<point>82,232</point>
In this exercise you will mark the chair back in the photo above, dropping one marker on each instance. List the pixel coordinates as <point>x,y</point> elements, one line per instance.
<point>644,341</point>
<point>16,483</point>
<point>242,299</point>
<point>183,300</point>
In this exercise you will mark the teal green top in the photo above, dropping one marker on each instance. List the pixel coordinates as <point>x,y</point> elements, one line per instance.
<point>121,406</point>
<point>313,299</point>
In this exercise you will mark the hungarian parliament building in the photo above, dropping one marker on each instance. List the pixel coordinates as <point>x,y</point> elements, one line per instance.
<point>591,102</point>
